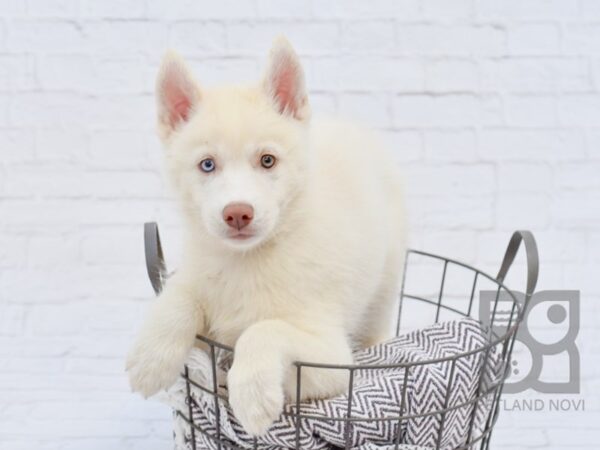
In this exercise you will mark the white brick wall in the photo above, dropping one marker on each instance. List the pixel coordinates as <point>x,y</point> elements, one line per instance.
<point>492,106</point>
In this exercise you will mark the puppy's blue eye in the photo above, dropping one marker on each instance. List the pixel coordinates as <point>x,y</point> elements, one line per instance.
<point>207,165</point>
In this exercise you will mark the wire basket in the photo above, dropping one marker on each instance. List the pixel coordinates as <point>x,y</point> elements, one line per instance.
<point>452,296</point>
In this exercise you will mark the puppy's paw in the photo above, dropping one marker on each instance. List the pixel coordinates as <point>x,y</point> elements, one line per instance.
<point>256,397</point>
<point>154,366</point>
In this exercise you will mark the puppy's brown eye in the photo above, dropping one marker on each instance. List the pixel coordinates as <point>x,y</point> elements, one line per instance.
<point>267,161</point>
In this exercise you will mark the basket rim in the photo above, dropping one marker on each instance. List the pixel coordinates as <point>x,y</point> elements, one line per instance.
<point>491,343</point>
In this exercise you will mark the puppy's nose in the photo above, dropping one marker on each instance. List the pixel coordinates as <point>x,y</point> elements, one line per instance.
<point>238,215</point>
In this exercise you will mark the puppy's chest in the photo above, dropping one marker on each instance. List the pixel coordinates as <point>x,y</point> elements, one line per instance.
<point>235,297</point>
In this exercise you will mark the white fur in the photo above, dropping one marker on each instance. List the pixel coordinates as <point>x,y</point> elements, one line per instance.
<point>320,273</point>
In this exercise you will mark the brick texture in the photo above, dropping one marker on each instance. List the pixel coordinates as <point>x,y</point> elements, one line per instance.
<point>491,106</point>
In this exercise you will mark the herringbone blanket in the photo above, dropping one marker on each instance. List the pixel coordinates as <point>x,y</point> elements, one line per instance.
<point>377,393</point>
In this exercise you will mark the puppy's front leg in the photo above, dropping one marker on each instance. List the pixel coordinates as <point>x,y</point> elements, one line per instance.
<point>167,335</point>
<point>262,372</point>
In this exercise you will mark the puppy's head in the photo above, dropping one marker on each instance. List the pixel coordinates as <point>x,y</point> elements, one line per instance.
<point>237,156</point>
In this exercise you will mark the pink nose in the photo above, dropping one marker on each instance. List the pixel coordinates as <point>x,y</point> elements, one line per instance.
<point>238,215</point>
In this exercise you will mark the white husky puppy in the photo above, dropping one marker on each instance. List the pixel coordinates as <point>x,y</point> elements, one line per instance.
<point>293,239</point>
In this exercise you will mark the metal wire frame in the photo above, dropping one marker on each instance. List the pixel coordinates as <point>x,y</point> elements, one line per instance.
<point>486,392</point>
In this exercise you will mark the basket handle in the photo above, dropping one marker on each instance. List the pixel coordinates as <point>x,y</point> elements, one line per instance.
<point>155,262</point>
<point>533,262</point>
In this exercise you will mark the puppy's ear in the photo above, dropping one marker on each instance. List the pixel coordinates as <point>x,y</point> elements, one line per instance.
<point>177,94</point>
<point>284,81</point>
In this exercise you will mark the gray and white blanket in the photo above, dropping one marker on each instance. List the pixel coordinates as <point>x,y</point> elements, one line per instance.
<point>376,394</point>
